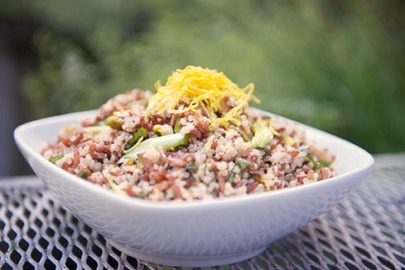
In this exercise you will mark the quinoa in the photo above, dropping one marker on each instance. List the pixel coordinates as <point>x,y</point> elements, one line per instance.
<point>137,147</point>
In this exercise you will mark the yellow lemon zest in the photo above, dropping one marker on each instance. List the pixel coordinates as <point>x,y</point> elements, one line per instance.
<point>264,182</point>
<point>200,89</point>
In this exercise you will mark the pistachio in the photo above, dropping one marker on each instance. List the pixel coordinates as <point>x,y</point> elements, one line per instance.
<point>162,130</point>
<point>115,122</point>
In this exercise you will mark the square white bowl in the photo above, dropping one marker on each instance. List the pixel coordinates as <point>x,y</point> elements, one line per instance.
<point>198,233</point>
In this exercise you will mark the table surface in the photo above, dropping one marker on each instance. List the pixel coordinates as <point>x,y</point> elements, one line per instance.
<point>365,231</point>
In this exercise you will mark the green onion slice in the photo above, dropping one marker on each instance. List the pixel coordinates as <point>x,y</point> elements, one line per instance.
<point>167,142</point>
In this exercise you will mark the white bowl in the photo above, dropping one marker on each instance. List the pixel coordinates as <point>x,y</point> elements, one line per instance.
<point>192,234</point>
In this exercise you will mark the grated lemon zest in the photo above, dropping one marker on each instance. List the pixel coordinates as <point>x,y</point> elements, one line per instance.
<point>200,89</point>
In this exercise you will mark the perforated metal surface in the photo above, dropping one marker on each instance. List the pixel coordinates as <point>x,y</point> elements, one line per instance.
<point>365,231</point>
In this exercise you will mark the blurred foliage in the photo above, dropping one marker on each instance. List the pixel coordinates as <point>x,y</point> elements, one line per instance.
<point>336,65</point>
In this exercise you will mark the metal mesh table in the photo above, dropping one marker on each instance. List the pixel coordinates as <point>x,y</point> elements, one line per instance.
<point>365,231</point>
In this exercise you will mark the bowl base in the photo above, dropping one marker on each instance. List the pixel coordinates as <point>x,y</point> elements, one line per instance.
<point>187,261</point>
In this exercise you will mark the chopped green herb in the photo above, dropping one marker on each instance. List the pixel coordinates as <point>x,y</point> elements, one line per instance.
<point>243,163</point>
<point>131,142</point>
<point>231,176</point>
<point>311,160</point>
<point>137,135</point>
<point>143,194</point>
<point>56,158</point>
<point>317,164</point>
<point>84,174</point>
<point>177,127</point>
<point>323,163</point>
<point>191,167</point>
<point>142,132</point>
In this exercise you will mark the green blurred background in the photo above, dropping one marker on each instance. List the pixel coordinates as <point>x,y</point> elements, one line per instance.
<point>335,65</point>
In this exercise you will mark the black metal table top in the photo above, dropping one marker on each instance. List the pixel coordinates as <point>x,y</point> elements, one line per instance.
<point>365,231</point>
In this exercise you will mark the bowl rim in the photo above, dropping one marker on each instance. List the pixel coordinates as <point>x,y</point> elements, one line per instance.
<point>364,170</point>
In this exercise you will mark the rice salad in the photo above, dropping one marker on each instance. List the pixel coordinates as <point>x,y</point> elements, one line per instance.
<point>196,138</point>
